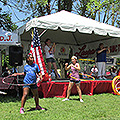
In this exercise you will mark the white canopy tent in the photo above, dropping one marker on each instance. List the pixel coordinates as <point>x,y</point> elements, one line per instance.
<point>65,28</point>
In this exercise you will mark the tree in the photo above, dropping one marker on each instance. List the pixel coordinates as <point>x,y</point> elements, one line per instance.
<point>80,7</point>
<point>32,8</point>
<point>5,21</point>
<point>37,8</point>
<point>106,11</point>
<point>65,5</point>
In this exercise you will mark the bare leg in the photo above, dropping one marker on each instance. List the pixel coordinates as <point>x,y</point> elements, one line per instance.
<point>49,67</point>
<point>24,97</point>
<point>55,67</point>
<point>79,90</point>
<point>35,94</point>
<point>69,89</point>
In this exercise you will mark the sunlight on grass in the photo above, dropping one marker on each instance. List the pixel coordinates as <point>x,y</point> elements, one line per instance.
<point>98,107</point>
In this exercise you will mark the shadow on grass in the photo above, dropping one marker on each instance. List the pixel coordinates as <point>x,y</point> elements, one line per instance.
<point>33,109</point>
<point>77,99</point>
<point>7,99</point>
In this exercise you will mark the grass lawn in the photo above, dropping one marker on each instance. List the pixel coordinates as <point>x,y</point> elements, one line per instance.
<point>97,107</point>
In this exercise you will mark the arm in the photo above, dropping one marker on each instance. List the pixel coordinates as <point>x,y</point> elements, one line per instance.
<point>38,72</point>
<point>67,68</point>
<point>15,74</point>
<point>99,51</point>
<point>108,51</point>
<point>53,46</point>
<point>92,70</point>
<point>54,49</point>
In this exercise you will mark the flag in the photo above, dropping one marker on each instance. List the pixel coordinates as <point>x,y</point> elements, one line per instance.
<point>36,51</point>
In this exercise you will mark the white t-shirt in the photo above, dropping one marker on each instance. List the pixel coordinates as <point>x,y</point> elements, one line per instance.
<point>94,70</point>
<point>47,53</point>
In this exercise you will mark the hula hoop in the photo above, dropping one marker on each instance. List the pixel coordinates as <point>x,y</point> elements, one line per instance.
<point>83,79</point>
<point>116,85</point>
<point>18,84</point>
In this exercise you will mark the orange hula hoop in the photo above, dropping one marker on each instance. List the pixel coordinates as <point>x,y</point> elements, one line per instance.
<point>83,79</point>
<point>116,85</point>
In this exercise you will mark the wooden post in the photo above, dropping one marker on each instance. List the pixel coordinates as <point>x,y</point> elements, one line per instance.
<point>62,69</point>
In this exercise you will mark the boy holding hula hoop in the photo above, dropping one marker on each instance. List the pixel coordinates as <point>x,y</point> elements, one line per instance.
<point>30,71</point>
<point>75,67</point>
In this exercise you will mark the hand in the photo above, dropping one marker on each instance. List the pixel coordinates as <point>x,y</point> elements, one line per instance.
<point>66,64</point>
<point>108,48</point>
<point>41,78</point>
<point>104,48</point>
<point>72,65</point>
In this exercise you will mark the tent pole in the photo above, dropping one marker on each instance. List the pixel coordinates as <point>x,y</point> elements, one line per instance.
<point>0,63</point>
<point>75,38</point>
<point>42,33</point>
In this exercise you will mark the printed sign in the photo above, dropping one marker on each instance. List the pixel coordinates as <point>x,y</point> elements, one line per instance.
<point>7,37</point>
<point>89,50</point>
<point>62,51</point>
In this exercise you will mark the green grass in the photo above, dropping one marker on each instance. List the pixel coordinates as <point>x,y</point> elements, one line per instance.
<point>97,107</point>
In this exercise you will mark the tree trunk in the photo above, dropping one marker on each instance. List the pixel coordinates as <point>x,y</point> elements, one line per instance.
<point>113,15</point>
<point>84,8</point>
<point>67,5</point>
<point>104,16</point>
<point>59,5</point>
<point>48,7</point>
<point>99,15</point>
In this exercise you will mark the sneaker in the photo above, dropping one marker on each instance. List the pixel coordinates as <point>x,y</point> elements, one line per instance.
<point>22,110</point>
<point>81,100</point>
<point>104,78</point>
<point>66,99</point>
<point>100,78</point>
<point>39,108</point>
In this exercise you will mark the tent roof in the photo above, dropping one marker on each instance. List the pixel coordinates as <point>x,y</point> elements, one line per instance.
<point>65,27</point>
<point>71,22</point>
